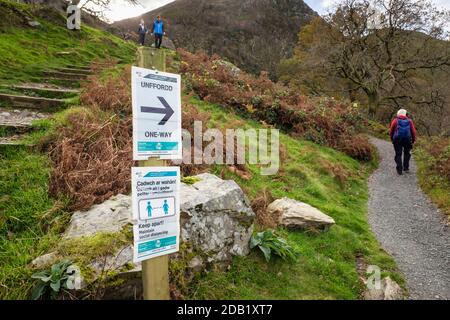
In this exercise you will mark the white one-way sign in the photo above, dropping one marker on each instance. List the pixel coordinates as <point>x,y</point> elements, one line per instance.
<point>156,99</point>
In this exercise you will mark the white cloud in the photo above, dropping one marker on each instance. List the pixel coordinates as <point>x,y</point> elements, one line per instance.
<point>321,6</point>
<point>120,9</point>
<point>443,4</point>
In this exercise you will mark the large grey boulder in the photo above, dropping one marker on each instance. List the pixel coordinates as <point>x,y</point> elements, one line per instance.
<point>216,217</point>
<point>389,290</point>
<point>294,214</point>
<point>109,216</point>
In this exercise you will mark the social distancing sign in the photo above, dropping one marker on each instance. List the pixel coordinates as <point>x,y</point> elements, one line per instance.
<point>156,211</point>
<point>156,100</point>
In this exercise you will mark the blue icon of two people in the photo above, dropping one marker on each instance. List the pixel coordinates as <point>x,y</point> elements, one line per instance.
<point>150,208</point>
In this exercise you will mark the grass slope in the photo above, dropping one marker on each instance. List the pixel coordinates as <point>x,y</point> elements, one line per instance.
<point>31,221</point>
<point>433,159</point>
<point>25,51</point>
<point>327,266</point>
<point>26,214</point>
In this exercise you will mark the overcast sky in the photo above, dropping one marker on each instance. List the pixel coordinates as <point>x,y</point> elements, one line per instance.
<point>121,10</point>
<point>321,6</point>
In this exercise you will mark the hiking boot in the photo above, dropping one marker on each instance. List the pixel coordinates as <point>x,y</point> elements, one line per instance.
<point>399,171</point>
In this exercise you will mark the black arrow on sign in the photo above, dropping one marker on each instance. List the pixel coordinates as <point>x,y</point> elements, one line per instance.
<point>167,111</point>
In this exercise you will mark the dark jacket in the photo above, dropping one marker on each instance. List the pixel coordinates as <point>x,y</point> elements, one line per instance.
<point>142,29</point>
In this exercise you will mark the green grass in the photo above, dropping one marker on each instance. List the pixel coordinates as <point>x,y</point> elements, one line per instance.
<point>326,268</point>
<point>31,222</point>
<point>434,183</point>
<point>25,52</point>
<point>29,218</point>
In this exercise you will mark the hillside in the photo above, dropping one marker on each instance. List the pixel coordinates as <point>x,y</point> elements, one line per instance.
<point>329,262</point>
<point>26,54</point>
<point>82,155</point>
<point>61,5</point>
<point>26,51</point>
<point>253,34</point>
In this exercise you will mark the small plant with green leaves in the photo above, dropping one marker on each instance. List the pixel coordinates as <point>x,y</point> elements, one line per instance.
<point>51,281</point>
<point>271,244</point>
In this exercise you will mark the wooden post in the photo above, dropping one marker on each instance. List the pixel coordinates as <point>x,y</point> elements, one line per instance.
<point>155,271</point>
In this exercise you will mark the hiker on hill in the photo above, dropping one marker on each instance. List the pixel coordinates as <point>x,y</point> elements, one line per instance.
<point>158,30</point>
<point>403,136</point>
<point>142,32</point>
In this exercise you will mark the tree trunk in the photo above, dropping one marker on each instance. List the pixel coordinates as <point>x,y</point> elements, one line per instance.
<point>373,100</point>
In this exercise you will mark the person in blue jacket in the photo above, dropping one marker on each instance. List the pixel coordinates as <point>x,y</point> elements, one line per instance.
<point>158,30</point>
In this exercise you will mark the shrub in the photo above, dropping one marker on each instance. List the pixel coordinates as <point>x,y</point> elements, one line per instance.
<point>322,120</point>
<point>91,158</point>
<point>112,94</point>
<point>438,160</point>
<point>259,206</point>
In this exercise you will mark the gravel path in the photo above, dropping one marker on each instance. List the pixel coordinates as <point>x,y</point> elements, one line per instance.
<point>410,227</point>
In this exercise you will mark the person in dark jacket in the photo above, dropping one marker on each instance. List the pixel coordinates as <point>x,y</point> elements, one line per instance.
<point>403,136</point>
<point>158,30</point>
<point>142,32</point>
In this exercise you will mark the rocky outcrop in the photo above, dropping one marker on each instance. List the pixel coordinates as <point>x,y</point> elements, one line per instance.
<point>294,214</point>
<point>110,216</point>
<point>216,217</point>
<point>389,290</point>
<point>216,222</point>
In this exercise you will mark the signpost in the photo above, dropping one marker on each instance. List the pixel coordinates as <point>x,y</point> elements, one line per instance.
<point>156,207</point>
<point>156,114</point>
<point>156,133</point>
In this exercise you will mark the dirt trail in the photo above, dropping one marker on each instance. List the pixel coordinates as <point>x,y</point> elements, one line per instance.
<point>410,227</point>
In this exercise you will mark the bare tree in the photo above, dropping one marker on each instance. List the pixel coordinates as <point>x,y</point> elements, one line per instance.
<point>97,7</point>
<point>382,45</point>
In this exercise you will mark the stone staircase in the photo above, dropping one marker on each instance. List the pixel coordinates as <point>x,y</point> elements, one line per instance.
<point>21,104</point>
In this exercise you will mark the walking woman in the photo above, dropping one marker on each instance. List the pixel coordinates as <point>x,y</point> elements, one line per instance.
<point>142,32</point>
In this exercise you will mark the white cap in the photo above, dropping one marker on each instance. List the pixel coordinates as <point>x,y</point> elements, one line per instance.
<point>401,112</point>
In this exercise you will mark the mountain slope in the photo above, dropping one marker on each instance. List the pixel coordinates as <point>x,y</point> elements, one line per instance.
<point>26,51</point>
<point>254,34</point>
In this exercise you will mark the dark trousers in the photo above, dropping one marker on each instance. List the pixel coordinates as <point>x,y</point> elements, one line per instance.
<point>158,40</point>
<point>402,147</point>
<point>141,38</point>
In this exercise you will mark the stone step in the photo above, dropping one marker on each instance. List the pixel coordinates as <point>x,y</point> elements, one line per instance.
<point>20,120</point>
<point>75,70</point>
<point>65,76</point>
<point>73,66</point>
<point>14,124</point>
<point>14,140</point>
<point>68,83</point>
<point>44,87</point>
<point>30,102</point>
